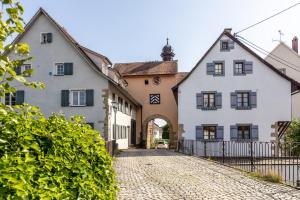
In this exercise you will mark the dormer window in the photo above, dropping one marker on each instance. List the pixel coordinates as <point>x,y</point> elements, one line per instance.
<point>46,38</point>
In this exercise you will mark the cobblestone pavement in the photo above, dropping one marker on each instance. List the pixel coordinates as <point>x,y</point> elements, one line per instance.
<point>163,174</point>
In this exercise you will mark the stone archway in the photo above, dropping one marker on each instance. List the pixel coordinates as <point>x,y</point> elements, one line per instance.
<point>172,134</point>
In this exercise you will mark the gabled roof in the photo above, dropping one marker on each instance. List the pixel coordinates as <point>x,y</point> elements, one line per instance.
<point>83,51</point>
<point>282,44</point>
<point>147,68</point>
<point>295,84</point>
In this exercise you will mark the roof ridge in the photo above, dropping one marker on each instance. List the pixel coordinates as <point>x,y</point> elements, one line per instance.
<point>154,61</point>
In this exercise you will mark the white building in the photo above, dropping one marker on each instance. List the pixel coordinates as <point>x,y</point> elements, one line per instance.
<point>233,94</point>
<point>287,60</point>
<point>78,81</point>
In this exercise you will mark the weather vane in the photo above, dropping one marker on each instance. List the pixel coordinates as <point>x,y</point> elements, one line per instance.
<point>280,36</point>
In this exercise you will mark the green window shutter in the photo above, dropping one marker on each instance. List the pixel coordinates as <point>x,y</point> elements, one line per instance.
<point>89,97</point>
<point>20,97</point>
<point>233,99</point>
<point>65,98</point>
<point>248,67</point>
<point>199,133</point>
<point>49,37</point>
<point>199,100</point>
<point>254,132</point>
<point>68,68</point>
<point>210,68</point>
<point>220,132</point>
<point>18,70</point>
<point>253,99</point>
<point>233,132</point>
<point>218,100</point>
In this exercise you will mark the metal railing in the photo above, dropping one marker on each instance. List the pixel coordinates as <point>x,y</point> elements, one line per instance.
<point>281,159</point>
<point>111,147</point>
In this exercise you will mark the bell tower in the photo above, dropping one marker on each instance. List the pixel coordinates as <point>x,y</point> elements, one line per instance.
<point>167,53</point>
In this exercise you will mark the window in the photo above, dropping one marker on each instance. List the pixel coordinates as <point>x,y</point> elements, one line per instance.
<point>78,97</point>
<point>219,69</point>
<point>59,69</point>
<point>243,132</point>
<point>224,45</point>
<point>154,98</point>
<point>209,132</point>
<point>46,38</point>
<point>209,100</point>
<point>130,110</point>
<point>146,82</point>
<point>126,108</point>
<point>120,103</point>
<point>10,99</point>
<point>243,100</point>
<point>239,67</point>
<point>27,67</point>
<point>114,97</point>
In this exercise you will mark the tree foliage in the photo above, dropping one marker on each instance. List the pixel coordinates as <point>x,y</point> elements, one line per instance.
<point>166,132</point>
<point>11,23</point>
<point>44,158</point>
<point>292,137</point>
<point>52,158</point>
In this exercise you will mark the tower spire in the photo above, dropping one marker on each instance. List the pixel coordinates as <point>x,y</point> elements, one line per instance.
<point>167,53</point>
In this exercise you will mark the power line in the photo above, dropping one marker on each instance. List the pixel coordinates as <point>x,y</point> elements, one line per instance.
<point>267,18</point>
<point>269,54</point>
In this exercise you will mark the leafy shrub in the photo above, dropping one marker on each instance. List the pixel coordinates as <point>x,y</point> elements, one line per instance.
<point>292,137</point>
<point>52,158</point>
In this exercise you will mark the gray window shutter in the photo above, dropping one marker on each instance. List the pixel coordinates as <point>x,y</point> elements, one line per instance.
<point>248,67</point>
<point>233,132</point>
<point>18,70</point>
<point>199,100</point>
<point>254,132</point>
<point>65,98</point>
<point>49,37</point>
<point>220,132</point>
<point>20,97</point>
<point>233,99</point>
<point>231,44</point>
<point>210,68</point>
<point>218,100</point>
<point>199,133</point>
<point>89,97</point>
<point>253,99</point>
<point>68,68</point>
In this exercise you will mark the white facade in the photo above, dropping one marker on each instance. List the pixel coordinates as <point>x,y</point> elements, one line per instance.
<point>84,76</point>
<point>273,95</point>
<point>291,68</point>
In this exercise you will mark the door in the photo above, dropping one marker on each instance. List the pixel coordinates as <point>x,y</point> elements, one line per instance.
<point>133,132</point>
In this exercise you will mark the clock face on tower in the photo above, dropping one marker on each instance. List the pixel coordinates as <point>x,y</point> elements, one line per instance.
<point>156,80</point>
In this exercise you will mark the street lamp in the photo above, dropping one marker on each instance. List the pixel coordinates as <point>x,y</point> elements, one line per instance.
<point>115,107</point>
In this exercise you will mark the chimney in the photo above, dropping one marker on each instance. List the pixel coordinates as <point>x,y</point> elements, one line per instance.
<point>295,44</point>
<point>228,30</point>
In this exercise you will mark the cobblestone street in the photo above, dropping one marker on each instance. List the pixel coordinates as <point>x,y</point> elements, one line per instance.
<point>163,174</point>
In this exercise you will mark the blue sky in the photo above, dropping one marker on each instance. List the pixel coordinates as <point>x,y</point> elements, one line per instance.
<point>136,30</point>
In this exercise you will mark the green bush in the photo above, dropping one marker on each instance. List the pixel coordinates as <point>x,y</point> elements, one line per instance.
<point>292,137</point>
<point>52,158</point>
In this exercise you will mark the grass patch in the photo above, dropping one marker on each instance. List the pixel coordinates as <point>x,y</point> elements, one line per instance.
<point>271,176</point>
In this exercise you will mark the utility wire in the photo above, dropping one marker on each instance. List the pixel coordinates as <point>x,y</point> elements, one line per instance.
<point>270,55</point>
<point>267,18</point>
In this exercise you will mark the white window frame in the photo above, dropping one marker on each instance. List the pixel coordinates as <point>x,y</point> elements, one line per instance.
<point>78,96</point>
<point>56,69</point>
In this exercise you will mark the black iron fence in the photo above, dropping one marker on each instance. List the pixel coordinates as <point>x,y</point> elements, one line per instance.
<point>265,158</point>
<point>111,147</point>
